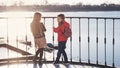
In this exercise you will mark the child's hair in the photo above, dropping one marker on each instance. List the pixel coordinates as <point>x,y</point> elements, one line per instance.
<point>62,16</point>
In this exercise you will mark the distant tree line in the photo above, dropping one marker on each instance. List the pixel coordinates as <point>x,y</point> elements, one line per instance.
<point>64,7</point>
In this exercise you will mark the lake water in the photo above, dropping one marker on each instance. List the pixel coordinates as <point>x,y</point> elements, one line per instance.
<point>18,27</point>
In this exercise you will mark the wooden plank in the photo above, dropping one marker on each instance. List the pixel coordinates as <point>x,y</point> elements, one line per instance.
<point>15,49</point>
<point>17,58</point>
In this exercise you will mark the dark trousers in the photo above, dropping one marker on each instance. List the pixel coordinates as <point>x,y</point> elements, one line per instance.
<point>38,52</point>
<point>61,50</point>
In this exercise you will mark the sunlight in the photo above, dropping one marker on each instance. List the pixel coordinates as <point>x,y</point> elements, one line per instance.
<point>18,14</point>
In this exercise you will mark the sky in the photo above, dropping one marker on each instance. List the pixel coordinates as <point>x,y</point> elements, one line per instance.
<point>71,2</point>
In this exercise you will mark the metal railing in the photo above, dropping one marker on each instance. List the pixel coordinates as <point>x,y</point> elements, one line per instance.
<point>80,40</point>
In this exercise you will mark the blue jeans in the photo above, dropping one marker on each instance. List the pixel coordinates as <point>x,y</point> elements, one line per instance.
<point>61,50</point>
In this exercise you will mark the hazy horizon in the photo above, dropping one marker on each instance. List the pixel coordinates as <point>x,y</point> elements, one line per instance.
<point>58,2</point>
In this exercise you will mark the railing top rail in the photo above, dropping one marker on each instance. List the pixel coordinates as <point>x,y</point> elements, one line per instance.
<point>68,17</point>
<point>89,17</point>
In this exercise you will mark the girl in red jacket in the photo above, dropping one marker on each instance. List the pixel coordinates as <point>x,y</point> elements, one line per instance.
<point>62,24</point>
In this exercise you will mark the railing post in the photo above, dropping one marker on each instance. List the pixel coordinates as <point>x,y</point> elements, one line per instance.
<point>17,47</point>
<point>71,41</point>
<point>79,40</point>
<point>7,42</point>
<point>105,41</point>
<point>97,41</point>
<point>53,41</point>
<point>113,41</point>
<point>26,32</point>
<point>44,51</point>
<point>88,40</point>
<point>26,39</point>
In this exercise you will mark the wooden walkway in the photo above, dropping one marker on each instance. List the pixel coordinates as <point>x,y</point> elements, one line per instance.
<point>15,49</point>
<point>49,65</point>
<point>26,61</point>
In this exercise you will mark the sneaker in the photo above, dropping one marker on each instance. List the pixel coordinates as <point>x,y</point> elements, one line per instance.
<point>56,63</point>
<point>66,63</point>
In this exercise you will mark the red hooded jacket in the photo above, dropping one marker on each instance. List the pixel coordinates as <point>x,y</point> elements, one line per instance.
<point>60,30</point>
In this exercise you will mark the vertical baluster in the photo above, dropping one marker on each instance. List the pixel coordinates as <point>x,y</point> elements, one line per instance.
<point>26,32</point>
<point>79,40</point>
<point>88,40</point>
<point>17,48</point>
<point>7,42</point>
<point>53,42</point>
<point>17,43</point>
<point>26,39</point>
<point>105,41</point>
<point>97,41</point>
<point>44,51</point>
<point>71,42</point>
<point>113,40</point>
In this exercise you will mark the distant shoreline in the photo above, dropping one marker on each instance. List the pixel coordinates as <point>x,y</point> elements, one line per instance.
<point>60,8</point>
